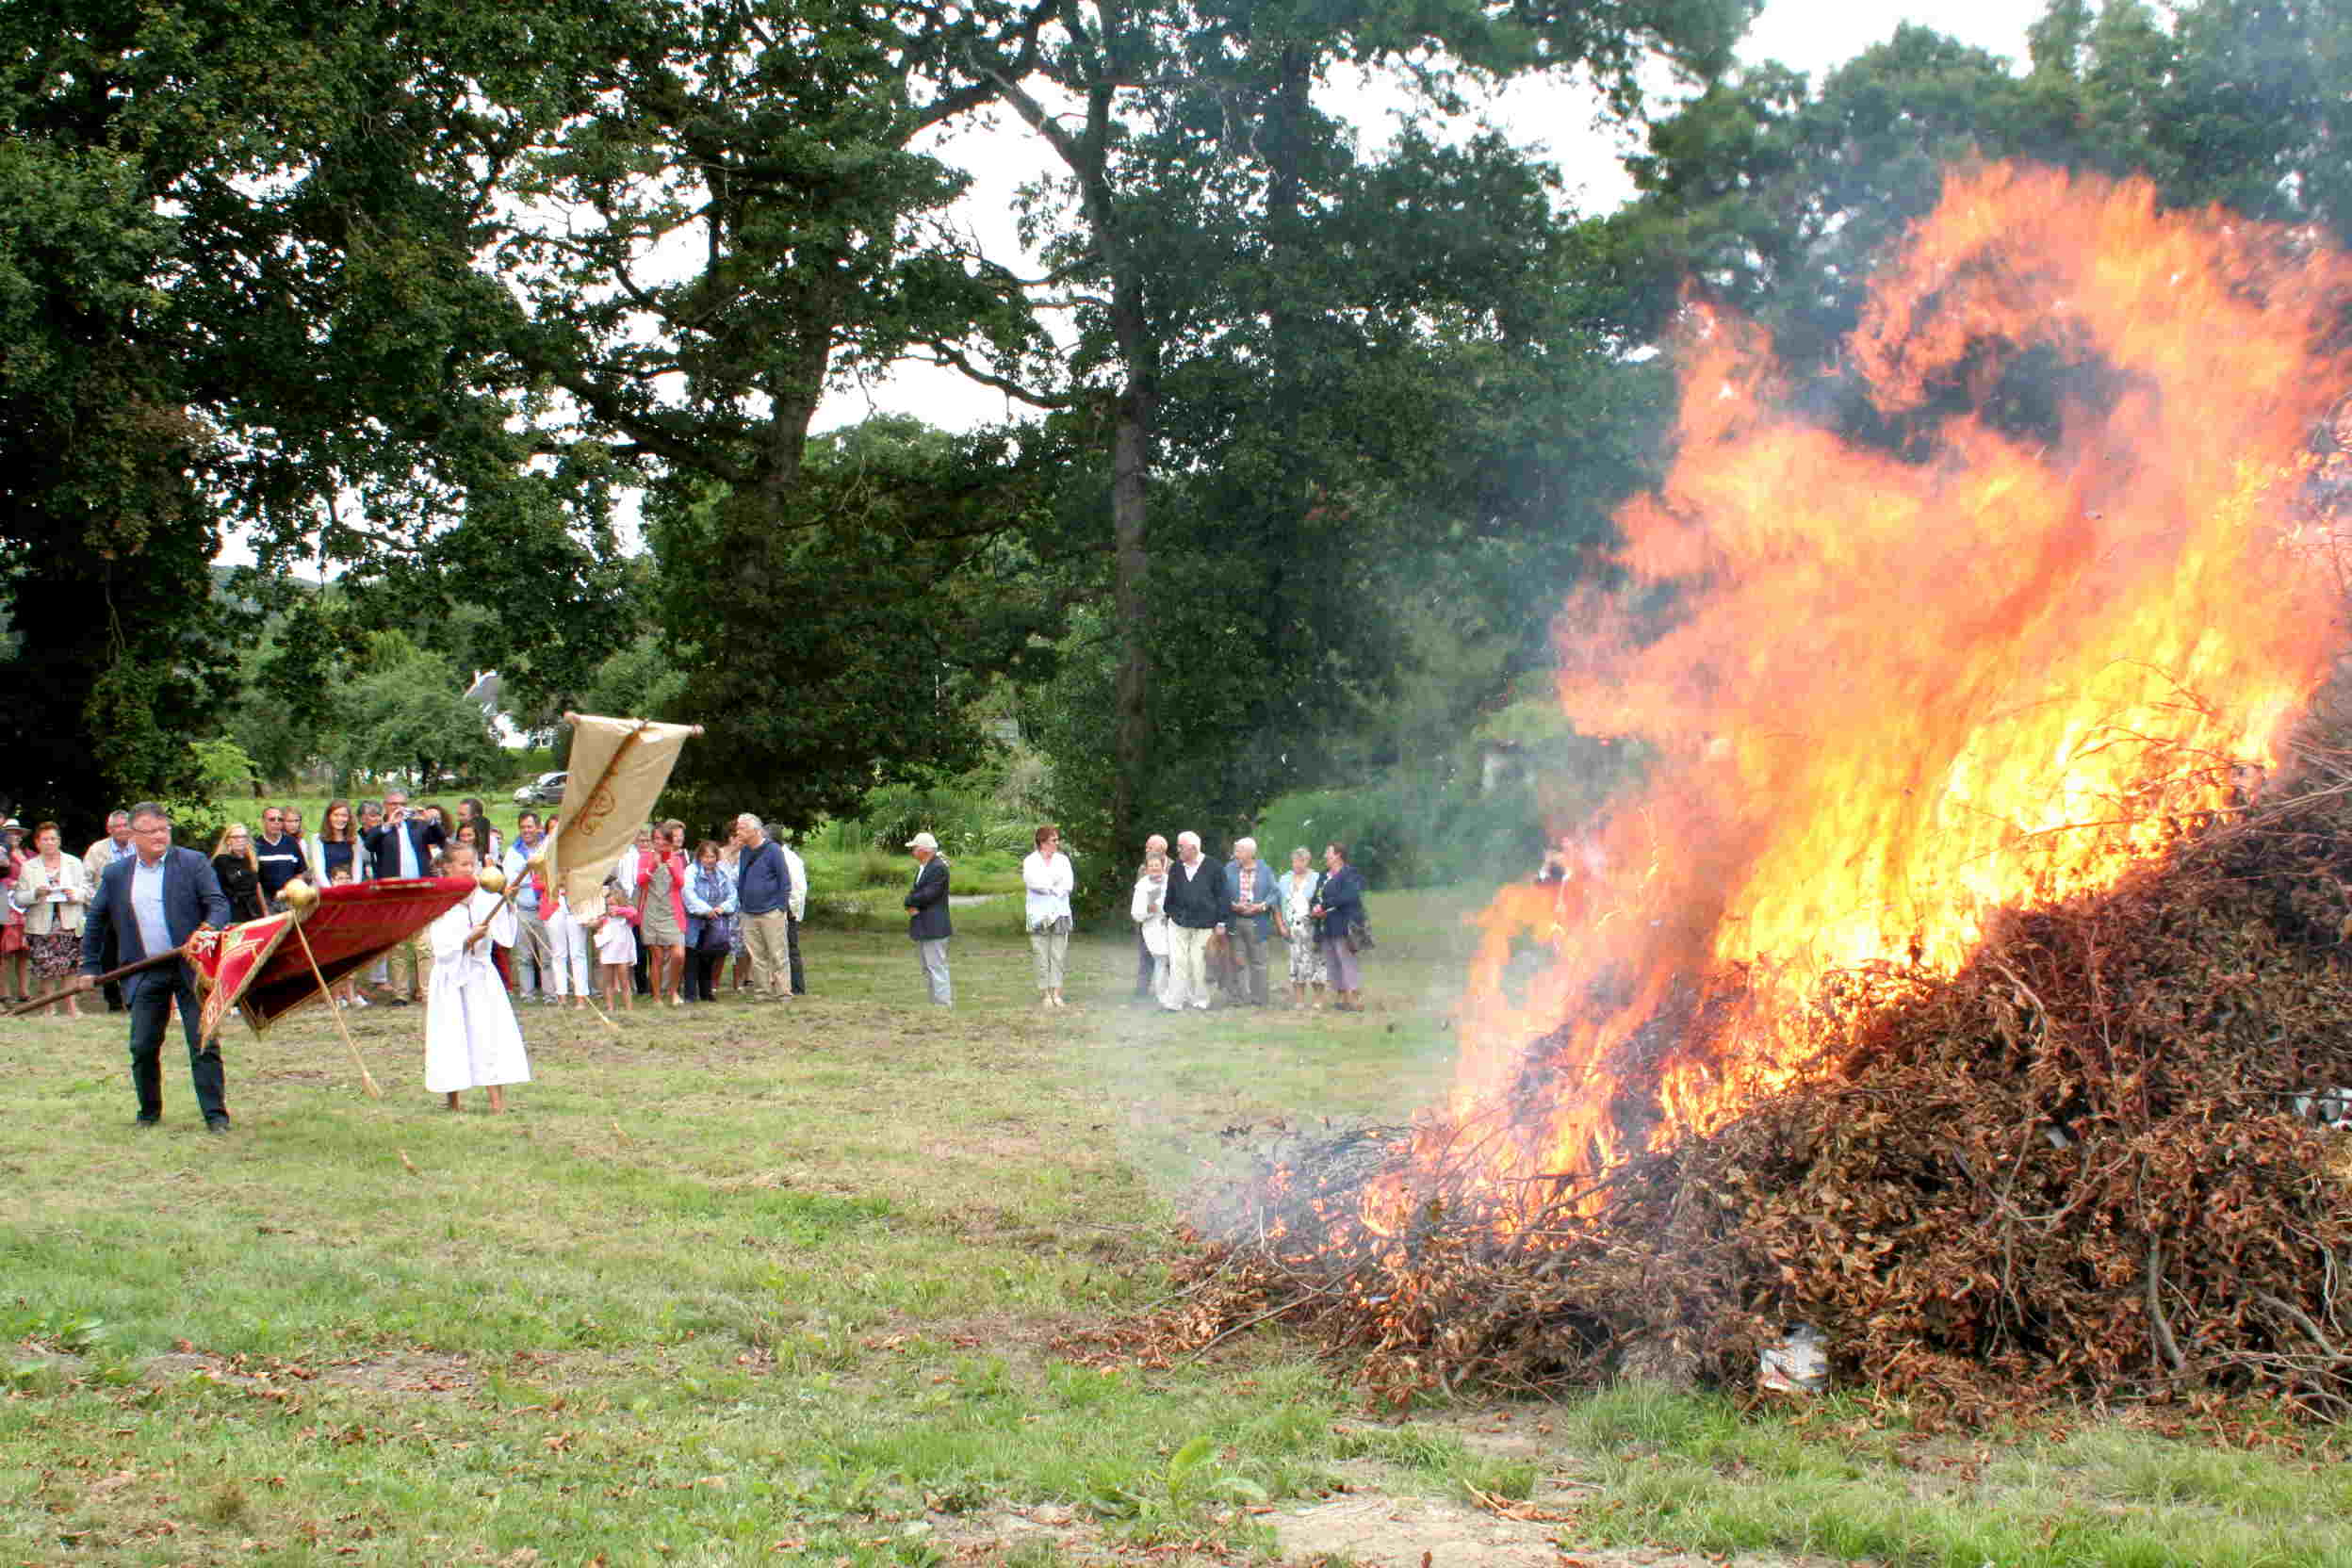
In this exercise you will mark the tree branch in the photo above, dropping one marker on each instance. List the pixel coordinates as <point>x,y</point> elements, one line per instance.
<point>648,434</point>
<point>953,358</point>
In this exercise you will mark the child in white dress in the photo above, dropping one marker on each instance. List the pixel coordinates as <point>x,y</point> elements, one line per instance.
<point>617,949</point>
<point>471,1038</point>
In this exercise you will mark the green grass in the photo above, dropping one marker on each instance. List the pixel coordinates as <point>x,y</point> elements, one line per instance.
<point>740,1285</point>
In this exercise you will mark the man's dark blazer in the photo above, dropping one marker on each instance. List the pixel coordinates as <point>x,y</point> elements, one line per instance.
<point>1197,904</point>
<point>926,902</point>
<point>191,897</point>
<point>423,838</point>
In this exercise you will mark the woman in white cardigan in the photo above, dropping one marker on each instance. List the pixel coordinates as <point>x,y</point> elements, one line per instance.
<point>1151,917</point>
<point>1047,877</point>
<point>53,891</point>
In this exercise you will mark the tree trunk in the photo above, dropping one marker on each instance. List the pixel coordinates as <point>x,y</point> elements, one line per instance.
<point>1131,447</point>
<point>794,391</point>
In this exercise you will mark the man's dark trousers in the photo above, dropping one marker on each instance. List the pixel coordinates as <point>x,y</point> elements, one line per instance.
<point>792,946</point>
<point>150,995</point>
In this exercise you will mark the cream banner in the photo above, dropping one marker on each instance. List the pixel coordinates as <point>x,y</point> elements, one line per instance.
<point>618,768</point>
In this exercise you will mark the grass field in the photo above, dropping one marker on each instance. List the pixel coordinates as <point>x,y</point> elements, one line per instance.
<point>806,1285</point>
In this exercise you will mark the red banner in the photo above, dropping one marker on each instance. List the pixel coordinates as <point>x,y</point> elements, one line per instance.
<point>261,968</point>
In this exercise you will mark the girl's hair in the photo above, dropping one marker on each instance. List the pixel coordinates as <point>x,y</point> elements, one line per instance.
<point>1044,828</point>
<point>708,846</point>
<point>326,823</point>
<point>465,826</point>
<point>460,848</point>
<point>340,874</point>
<point>220,845</point>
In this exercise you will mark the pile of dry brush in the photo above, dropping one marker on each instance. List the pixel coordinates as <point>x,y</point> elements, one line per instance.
<point>2087,1163</point>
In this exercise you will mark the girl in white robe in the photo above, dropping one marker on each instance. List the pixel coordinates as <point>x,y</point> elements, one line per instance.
<point>471,1038</point>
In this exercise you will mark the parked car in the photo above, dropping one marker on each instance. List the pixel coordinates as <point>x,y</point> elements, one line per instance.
<point>545,789</point>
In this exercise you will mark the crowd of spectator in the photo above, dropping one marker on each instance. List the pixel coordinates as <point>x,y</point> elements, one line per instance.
<point>674,921</point>
<point>683,923</point>
<point>1202,928</point>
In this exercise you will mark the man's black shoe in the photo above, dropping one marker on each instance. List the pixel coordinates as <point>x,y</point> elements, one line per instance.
<point>218,1124</point>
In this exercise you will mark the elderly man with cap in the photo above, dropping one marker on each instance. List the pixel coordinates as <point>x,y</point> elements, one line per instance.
<point>926,915</point>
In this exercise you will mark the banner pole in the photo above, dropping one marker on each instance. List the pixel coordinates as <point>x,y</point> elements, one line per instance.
<point>367,1079</point>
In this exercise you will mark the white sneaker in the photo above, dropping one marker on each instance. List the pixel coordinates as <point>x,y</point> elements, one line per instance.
<point>361,1002</point>
<point>1202,1005</point>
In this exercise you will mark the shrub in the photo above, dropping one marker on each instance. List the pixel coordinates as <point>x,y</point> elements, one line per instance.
<point>1405,832</point>
<point>965,821</point>
<point>1417,827</point>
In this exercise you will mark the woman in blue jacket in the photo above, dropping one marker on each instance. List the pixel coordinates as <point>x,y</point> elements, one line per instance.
<point>1339,904</point>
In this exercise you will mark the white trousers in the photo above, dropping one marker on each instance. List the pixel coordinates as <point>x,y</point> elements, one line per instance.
<point>569,960</point>
<point>1188,966</point>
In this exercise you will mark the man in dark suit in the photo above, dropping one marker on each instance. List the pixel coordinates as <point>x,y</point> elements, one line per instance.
<point>403,845</point>
<point>926,916</point>
<point>151,901</point>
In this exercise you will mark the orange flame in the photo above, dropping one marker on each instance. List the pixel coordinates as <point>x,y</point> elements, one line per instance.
<point>1896,692</point>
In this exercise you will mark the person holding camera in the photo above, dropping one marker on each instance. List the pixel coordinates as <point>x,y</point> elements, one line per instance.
<point>404,845</point>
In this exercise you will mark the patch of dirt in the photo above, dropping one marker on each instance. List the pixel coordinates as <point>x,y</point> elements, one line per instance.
<point>1520,1431</point>
<point>1381,1532</point>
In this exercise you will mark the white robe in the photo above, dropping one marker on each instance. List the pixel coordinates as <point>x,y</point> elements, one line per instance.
<point>471,1038</point>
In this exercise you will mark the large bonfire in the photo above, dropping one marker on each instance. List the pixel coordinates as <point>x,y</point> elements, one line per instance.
<point>1959,984</point>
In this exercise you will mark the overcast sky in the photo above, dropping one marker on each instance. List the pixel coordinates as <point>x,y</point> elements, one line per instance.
<point>1811,36</point>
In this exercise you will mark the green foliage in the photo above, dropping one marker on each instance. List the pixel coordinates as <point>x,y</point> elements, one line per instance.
<point>640,680</point>
<point>1427,825</point>
<point>1173,1499</point>
<point>855,636</point>
<point>407,715</point>
<point>1270,333</point>
<point>224,769</point>
<point>237,283</point>
<point>964,817</point>
<point>1777,196</point>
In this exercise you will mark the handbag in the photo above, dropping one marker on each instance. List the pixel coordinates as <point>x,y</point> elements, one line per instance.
<point>718,934</point>
<point>1359,936</point>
